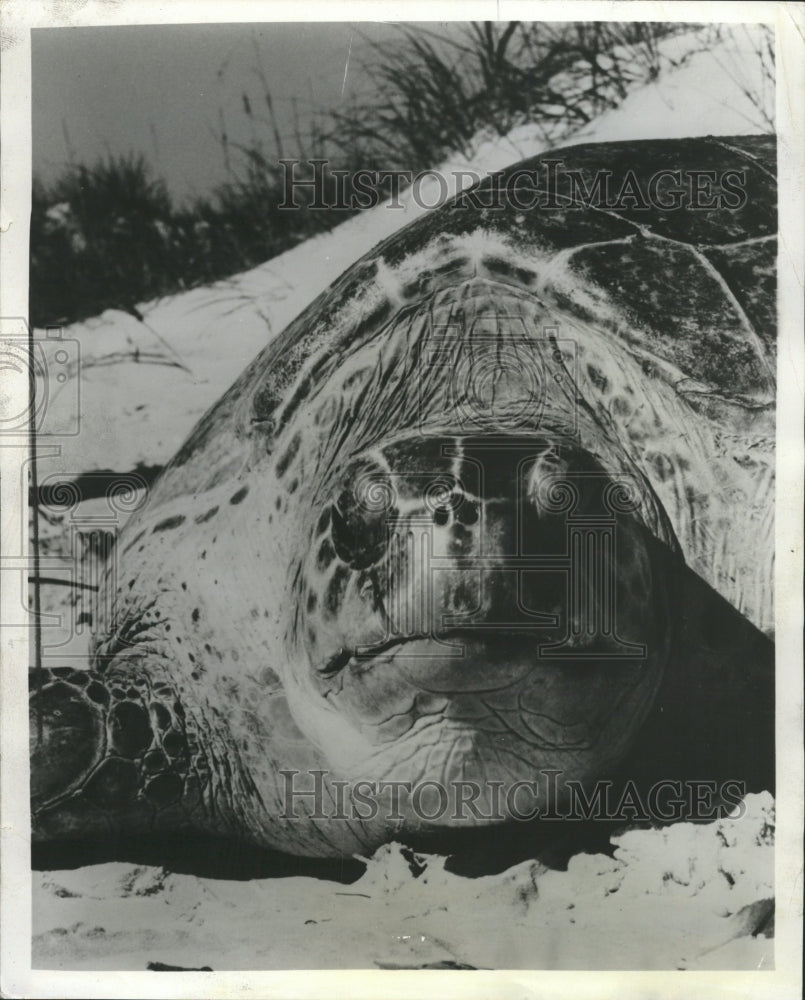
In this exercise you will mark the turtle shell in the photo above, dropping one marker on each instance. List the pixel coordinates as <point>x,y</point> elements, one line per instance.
<point>667,248</point>
<point>697,283</point>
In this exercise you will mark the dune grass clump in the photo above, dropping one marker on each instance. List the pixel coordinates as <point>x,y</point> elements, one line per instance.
<point>109,235</point>
<point>431,94</point>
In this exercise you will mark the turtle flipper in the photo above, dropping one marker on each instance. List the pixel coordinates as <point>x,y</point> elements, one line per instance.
<point>109,754</point>
<point>714,716</point>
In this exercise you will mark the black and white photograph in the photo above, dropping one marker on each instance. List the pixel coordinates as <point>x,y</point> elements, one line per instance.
<point>402,500</point>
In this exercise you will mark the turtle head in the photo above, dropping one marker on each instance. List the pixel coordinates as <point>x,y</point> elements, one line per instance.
<point>475,595</point>
<point>481,609</point>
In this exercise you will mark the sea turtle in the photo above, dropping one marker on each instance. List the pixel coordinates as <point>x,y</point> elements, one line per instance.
<point>496,507</point>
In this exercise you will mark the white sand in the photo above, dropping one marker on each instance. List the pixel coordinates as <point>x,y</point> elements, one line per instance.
<point>688,896</point>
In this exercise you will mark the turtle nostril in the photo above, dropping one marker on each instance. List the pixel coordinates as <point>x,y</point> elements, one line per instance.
<point>468,512</point>
<point>441,516</point>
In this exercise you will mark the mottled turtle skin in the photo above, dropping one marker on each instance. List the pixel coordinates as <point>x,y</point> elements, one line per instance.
<point>369,557</point>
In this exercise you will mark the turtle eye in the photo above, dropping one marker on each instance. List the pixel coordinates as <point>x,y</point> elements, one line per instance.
<point>362,516</point>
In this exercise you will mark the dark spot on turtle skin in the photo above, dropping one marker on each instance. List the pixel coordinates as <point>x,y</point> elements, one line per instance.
<point>113,783</point>
<point>696,499</point>
<point>184,585</point>
<point>418,287</point>
<point>325,555</point>
<point>178,709</point>
<point>207,647</point>
<point>357,378</point>
<point>174,744</point>
<point>441,516</point>
<point>98,693</point>
<point>201,518</point>
<point>169,523</point>
<point>324,522</point>
<point>293,486</point>
<point>508,270</point>
<point>154,761</point>
<point>70,674</point>
<point>161,715</point>
<point>118,693</point>
<point>134,540</point>
<point>278,503</point>
<point>336,589</point>
<point>620,406</point>
<point>133,693</point>
<point>312,601</point>
<point>288,456</point>
<point>458,263</point>
<point>200,765</point>
<point>195,615</point>
<point>264,403</point>
<point>598,379</point>
<point>301,393</point>
<point>164,789</point>
<point>467,512</point>
<point>662,466</point>
<point>241,494</point>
